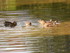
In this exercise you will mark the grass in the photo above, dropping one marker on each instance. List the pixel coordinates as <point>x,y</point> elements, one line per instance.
<point>62,29</point>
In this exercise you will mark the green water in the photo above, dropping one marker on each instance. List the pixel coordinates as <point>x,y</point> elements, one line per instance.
<point>59,11</point>
<point>53,44</point>
<point>22,40</point>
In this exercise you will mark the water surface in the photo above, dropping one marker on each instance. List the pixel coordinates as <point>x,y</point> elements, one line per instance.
<point>19,39</point>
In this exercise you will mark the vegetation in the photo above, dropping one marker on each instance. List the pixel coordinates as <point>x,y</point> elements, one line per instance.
<point>7,5</point>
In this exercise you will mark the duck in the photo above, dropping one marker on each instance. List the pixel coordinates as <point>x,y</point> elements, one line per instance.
<point>7,24</point>
<point>10,24</point>
<point>13,24</point>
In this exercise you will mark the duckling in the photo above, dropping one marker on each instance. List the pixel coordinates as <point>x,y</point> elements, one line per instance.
<point>27,24</point>
<point>55,23</point>
<point>48,24</point>
<point>41,22</point>
<point>50,20</point>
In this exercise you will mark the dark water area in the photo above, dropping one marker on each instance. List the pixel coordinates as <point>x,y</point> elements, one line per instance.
<point>51,44</point>
<point>48,44</point>
<point>52,13</point>
<point>19,39</point>
<point>46,11</point>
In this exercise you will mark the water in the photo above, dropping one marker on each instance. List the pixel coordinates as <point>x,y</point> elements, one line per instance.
<point>19,40</point>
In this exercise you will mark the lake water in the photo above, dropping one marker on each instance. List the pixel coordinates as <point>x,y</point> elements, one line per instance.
<point>19,40</point>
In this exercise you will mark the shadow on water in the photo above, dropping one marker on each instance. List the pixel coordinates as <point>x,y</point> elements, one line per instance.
<point>50,44</point>
<point>19,39</point>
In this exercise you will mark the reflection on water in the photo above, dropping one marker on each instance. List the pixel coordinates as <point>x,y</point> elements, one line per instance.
<point>48,44</point>
<point>18,39</point>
